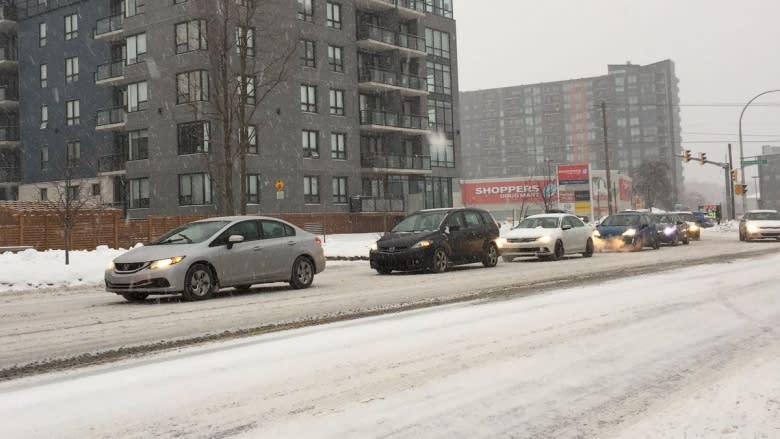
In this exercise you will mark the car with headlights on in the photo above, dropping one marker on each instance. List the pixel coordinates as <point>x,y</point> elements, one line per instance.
<point>694,229</point>
<point>632,230</point>
<point>760,224</point>
<point>547,237</point>
<point>437,239</point>
<point>198,258</point>
<point>670,229</point>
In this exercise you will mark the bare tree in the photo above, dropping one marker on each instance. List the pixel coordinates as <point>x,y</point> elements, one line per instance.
<point>653,182</point>
<point>548,188</point>
<point>71,197</point>
<point>250,55</point>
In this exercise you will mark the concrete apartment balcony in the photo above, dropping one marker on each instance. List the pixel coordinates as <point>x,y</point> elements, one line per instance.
<point>9,98</point>
<point>10,174</point>
<point>110,74</point>
<point>382,121</point>
<point>8,18</point>
<point>404,8</point>
<point>110,28</point>
<point>112,164</point>
<point>8,60</point>
<point>378,39</point>
<point>396,164</point>
<point>111,119</point>
<point>378,80</point>
<point>9,136</point>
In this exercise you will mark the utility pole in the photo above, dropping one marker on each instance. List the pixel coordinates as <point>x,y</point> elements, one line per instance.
<point>606,157</point>
<point>730,188</point>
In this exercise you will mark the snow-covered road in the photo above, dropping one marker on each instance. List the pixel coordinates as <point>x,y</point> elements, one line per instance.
<point>689,353</point>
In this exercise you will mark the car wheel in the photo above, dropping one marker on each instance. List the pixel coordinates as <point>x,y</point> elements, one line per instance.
<point>588,249</point>
<point>199,283</point>
<point>135,297</point>
<point>558,252</point>
<point>507,258</point>
<point>384,271</point>
<point>440,261</point>
<point>302,273</point>
<point>490,258</point>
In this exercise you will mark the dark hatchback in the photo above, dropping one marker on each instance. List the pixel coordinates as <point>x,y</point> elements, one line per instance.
<point>633,230</point>
<point>437,239</point>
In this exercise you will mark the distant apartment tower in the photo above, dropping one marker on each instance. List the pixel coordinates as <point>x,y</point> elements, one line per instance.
<point>123,97</point>
<point>10,173</point>
<point>769,179</point>
<point>526,130</point>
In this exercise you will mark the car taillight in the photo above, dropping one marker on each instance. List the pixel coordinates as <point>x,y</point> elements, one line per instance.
<point>318,240</point>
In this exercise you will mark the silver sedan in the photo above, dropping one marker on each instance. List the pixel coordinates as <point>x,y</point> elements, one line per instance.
<point>199,258</point>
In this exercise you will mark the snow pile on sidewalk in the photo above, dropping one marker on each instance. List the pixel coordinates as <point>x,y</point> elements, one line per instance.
<point>31,269</point>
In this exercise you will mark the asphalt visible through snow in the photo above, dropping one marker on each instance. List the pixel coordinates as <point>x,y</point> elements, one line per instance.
<point>54,330</point>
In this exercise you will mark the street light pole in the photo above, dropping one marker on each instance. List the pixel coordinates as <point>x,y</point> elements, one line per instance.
<point>741,150</point>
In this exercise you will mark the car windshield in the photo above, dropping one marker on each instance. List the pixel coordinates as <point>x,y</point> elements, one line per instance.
<point>621,220</point>
<point>687,217</point>
<point>664,219</point>
<point>763,216</point>
<point>191,233</point>
<point>537,223</point>
<point>420,222</point>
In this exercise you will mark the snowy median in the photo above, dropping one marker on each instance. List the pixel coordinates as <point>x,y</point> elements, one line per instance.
<point>35,270</point>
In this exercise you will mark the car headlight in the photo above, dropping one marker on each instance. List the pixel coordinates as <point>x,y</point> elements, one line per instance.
<point>596,234</point>
<point>111,266</point>
<point>630,232</point>
<point>422,244</point>
<point>374,247</point>
<point>693,227</point>
<point>164,263</point>
<point>500,242</point>
<point>545,239</point>
<point>752,228</point>
<point>669,231</point>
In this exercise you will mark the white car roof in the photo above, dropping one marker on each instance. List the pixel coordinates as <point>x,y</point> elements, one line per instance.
<point>549,215</point>
<point>762,211</point>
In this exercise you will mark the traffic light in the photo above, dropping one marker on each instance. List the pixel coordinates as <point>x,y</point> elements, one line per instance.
<point>744,189</point>
<point>740,189</point>
<point>734,175</point>
<point>687,155</point>
<point>702,157</point>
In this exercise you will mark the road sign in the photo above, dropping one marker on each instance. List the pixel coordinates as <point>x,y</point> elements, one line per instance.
<point>280,195</point>
<point>754,162</point>
<point>279,185</point>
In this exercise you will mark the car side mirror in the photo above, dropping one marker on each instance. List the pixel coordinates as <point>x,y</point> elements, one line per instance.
<point>234,239</point>
<point>644,226</point>
<point>566,227</point>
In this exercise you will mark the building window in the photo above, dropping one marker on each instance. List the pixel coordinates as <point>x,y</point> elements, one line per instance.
<point>44,194</point>
<point>252,144</point>
<point>311,190</point>
<point>44,117</point>
<point>337,102</point>
<point>308,53</point>
<point>71,26</point>
<point>334,15</point>
<point>194,189</point>
<point>191,36</point>
<point>310,143</point>
<point>305,11</point>
<point>245,40</point>
<point>138,144</point>
<point>44,158</point>
<point>443,156</point>
<point>139,193</point>
<point>134,7</point>
<point>95,189</point>
<point>338,146</point>
<point>72,69</point>
<point>439,78</point>
<point>437,43</point>
<point>192,86</point>
<point>194,137</point>
<point>440,115</point>
<point>72,113</point>
<point>246,89</point>
<point>253,189</point>
<point>308,98</point>
<point>340,190</point>
<point>439,7</point>
<point>336,58</point>
<point>73,151</point>
<point>73,192</point>
<point>42,34</point>
<point>136,48</point>
<point>44,76</point>
<point>137,96</point>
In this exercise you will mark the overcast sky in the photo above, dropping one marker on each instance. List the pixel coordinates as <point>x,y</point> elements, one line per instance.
<point>725,52</point>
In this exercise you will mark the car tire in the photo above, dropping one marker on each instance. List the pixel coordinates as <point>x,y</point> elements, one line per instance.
<point>490,258</point>
<point>302,273</point>
<point>384,271</point>
<point>507,258</point>
<point>199,283</point>
<point>439,261</point>
<point>589,248</point>
<point>135,297</point>
<point>558,252</point>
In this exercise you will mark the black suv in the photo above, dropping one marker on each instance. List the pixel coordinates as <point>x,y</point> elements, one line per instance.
<point>436,240</point>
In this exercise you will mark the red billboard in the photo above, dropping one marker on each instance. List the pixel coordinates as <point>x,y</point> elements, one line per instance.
<point>505,192</point>
<point>573,174</point>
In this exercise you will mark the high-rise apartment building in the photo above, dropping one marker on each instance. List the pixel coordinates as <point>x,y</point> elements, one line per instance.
<point>133,102</point>
<point>768,190</point>
<point>10,173</point>
<point>526,130</point>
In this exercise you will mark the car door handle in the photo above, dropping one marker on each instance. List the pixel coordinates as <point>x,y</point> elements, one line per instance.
<point>257,249</point>
<point>290,243</point>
